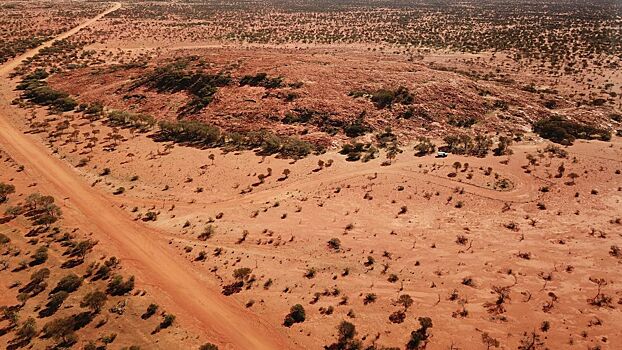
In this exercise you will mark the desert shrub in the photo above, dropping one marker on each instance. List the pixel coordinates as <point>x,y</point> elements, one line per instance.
<point>39,256</point>
<point>54,303</point>
<point>205,135</point>
<point>419,338</point>
<point>294,148</point>
<point>263,80</point>
<point>79,249</point>
<point>346,333</point>
<point>296,315</point>
<point>150,216</point>
<point>298,115</point>
<point>481,146</point>
<point>94,109</point>
<point>556,151</point>
<point>46,215</point>
<point>117,286</point>
<point>5,191</point>
<point>310,273</point>
<point>458,143</point>
<point>461,122</point>
<point>61,329</point>
<point>369,298</point>
<point>564,131</point>
<point>424,147</point>
<point>28,330</point>
<point>13,211</point>
<point>503,146</point>
<point>207,233</point>
<point>37,91</point>
<point>151,310</point>
<point>357,151</point>
<point>37,281</point>
<point>397,317</point>
<point>94,301</point>
<point>465,144</point>
<point>357,128</point>
<point>242,273</point>
<point>119,190</point>
<point>167,321</point>
<point>334,244</point>
<point>232,288</point>
<point>190,131</point>
<point>174,78</point>
<point>384,98</point>
<point>4,239</point>
<point>142,122</point>
<point>69,284</point>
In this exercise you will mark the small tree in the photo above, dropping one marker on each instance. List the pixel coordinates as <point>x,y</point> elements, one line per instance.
<point>167,321</point>
<point>69,284</point>
<point>40,256</point>
<point>151,310</point>
<point>117,286</point>
<point>54,303</point>
<point>296,315</point>
<point>489,341</point>
<point>334,244</point>
<point>207,233</point>
<point>405,300</point>
<point>61,329</point>
<point>424,147</point>
<point>456,166</point>
<point>503,146</point>
<point>5,191</point>
<point>573,178</point>
<point>419,338</point>
<point>286,173</point>
<point>242,273</point>
<point>13,211</point>
<point>94,301</point>
<point>346,333</point>
<point>28,330</point>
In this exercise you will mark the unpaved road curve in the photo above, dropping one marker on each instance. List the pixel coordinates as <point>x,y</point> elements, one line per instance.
<point>198,303</point>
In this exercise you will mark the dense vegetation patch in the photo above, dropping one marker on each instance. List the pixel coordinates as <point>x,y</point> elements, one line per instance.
<point>205,135</point>
<point>36,90</point>
<point>478,146</point>
<point>385,98</point>
<point>175,78</point>
<point>565,131</point>
<point>326,123</point>
<point>142,122</point>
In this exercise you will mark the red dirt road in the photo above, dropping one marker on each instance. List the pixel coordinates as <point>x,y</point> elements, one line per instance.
<point>197,302</point>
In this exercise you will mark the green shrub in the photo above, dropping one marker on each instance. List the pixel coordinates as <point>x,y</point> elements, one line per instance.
<point>386,98</point>
<point>296,315</point>
<point>5,191</point>
<point>564,131</point>
<point>263,80</point>
<point>142,122</point>
<point>117,286</point>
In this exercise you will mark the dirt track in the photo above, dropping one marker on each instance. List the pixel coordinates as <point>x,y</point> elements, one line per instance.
<point>142,249</point>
